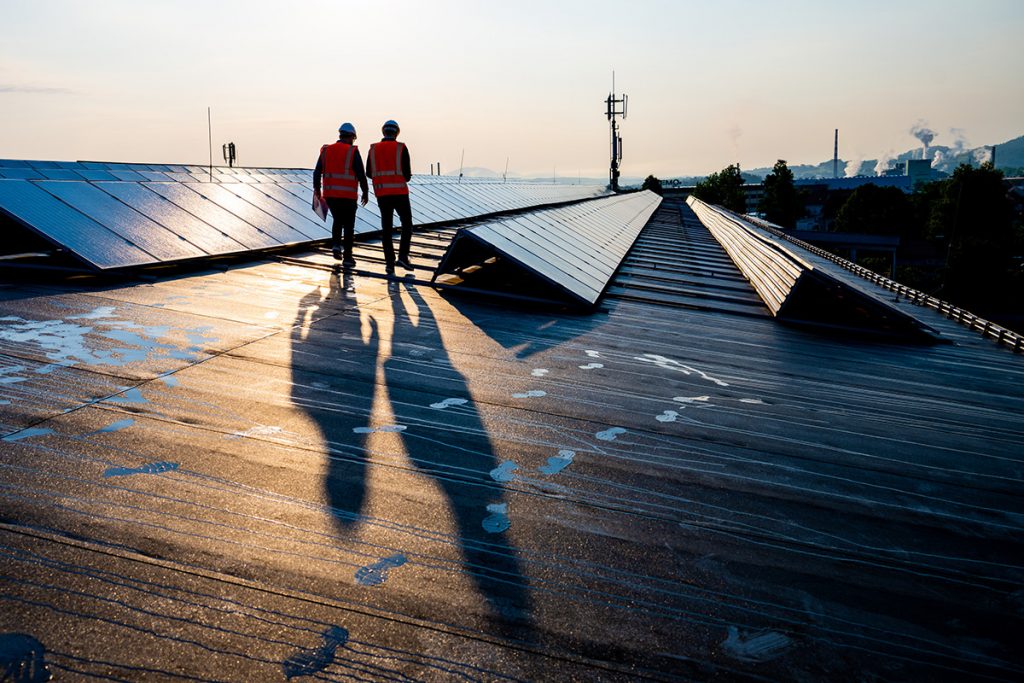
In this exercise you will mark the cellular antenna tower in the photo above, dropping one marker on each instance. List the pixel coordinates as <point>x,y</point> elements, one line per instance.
<point>612,112</point>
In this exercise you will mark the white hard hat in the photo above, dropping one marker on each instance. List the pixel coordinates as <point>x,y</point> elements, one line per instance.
<point>390,124</point>
<point>347,128</point>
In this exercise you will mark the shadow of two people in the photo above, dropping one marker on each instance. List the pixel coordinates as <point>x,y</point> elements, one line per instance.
<point>461,472</point>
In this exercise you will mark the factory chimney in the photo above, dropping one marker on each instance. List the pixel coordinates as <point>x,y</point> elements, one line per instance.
<point>835,157</point>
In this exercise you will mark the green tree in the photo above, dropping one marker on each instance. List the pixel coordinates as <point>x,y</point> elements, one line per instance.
<point>973,217</point>
<point>877,211</point>
<point>724,188</point>
<point>653,184</point>
<point>781,204</point>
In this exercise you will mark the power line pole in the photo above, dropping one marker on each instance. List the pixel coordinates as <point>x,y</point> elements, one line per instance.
<point>612,111</point>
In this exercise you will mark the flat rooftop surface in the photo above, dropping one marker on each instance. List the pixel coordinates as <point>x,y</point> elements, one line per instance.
<point>273,470</point>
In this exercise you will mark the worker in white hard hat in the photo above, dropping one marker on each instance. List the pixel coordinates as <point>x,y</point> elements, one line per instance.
<point>340,166</point>
<point>389,167</point>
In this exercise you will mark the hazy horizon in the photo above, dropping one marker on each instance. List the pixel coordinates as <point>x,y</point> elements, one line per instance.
<point>708,85</point>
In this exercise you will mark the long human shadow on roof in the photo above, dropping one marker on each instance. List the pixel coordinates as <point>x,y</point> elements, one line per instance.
<point>324,347</point>
<point>460,459</point>
<point>338,366</point>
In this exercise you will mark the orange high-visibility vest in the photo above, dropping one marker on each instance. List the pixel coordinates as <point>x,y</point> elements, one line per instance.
<point>386,167</point>
<point>339,177</point>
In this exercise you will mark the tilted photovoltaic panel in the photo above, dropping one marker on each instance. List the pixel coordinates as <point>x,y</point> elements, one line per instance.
<point>166,213</point>
<point>297,221</point>
<point>58,223</point>
<point>367,217</point>
<point>159,242</point>
<point>577,248</point>
<point>213,214</point>
<point>221,195</point>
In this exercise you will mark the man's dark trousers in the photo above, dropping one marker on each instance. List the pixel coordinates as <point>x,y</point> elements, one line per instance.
<point>388,205</point>
<point>343,211</point>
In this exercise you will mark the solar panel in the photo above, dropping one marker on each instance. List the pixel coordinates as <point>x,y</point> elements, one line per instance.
<point>162,211</point>
<point>307,229</point>
<point>21,173</point>
<point>220,218</point>
<point>160,243</point>
<point>52,219</point>
<point>222,195</point>
<point>577,249</point>
<point>61,174</point>
<point>96,174</point>
<point>366,220</point>
<point>127,175</point>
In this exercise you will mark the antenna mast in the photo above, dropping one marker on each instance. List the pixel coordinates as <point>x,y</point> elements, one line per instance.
<point>612,111</point>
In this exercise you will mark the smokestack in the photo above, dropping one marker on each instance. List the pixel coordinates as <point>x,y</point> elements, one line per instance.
<point>835,157</point>
<point>993,159</point>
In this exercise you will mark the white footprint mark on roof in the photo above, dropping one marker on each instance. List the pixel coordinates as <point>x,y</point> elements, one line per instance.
<point>676,366</point>
<point>667,416</point>
<point>498,520</point>
<point>557,463</point>
<point>534,393</point>
<point>381,428</point>
<point>504,472</point>
<point>591,366</point>
<point>610,434</point>
<point>759,647</point>
<point>448,403</point>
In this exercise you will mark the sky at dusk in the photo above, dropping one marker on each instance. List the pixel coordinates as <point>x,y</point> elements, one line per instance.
<point>709,83</point>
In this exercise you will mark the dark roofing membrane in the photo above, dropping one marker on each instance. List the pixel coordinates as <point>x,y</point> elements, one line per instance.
<point>276,469</point>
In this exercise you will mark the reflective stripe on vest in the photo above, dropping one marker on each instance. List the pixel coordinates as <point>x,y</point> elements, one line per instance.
<point>386,168</point>
<point>338,175</point>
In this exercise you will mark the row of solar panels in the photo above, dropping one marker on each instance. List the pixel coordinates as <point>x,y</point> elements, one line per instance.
<point>118,224</point>
<point>576,248</point>
<point>96,170</point>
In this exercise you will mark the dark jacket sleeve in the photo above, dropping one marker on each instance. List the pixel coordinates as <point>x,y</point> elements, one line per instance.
<point>318,172</point>
<point>406,164</point>
<point>357,166</point>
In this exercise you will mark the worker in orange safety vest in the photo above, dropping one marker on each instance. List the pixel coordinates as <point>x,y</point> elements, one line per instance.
<point>340,167</point>
<point>388,166</point>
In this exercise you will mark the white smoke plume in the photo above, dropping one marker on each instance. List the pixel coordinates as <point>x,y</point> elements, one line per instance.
<point>982,155</point>
<point>853,167</point>
<point>884,161</point>
<point>922,132</point>
<point>959,145</point>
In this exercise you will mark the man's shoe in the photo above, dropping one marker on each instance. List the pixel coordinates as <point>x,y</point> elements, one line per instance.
<point>404,263</point>
<point>349,262</point>
<point>389,268</point>
<point>337,254</point>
